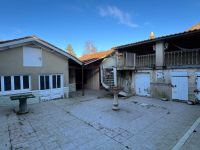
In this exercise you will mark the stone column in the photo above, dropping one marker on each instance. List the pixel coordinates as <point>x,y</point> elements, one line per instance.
<point>159,55</point>
<point>115,102</point>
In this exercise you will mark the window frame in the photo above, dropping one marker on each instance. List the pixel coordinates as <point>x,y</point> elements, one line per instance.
<point>44,75</point>
<point>51,81</point>
<point>13,91</point>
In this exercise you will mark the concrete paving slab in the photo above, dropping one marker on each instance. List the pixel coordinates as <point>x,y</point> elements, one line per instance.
<point>90,123</point>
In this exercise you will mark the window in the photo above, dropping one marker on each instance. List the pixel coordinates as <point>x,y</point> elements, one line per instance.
<point>17,84</point>
<point>7,83</point>
<point>14,84</point>
<point>44,82</point>
<point>50,81</point>
<point>26,82</point>
<point>56,81</point>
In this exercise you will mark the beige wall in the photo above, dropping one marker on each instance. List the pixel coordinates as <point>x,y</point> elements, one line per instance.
<point>11,63</point>
<point>109,62</point>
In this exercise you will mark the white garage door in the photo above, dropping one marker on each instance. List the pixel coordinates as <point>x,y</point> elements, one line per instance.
<point>142,84</point>
<point>179,81</point>
<point>198,85</point>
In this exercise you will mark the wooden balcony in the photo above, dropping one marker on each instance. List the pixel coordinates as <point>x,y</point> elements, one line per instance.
<point>126,61</point>
<point>145,61</point>
<point>182,58</point>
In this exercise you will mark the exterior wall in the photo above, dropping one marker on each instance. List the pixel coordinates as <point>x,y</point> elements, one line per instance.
<point>109,62</point>
<point>124,79</point>
<point>11,63</point>
<point>93,80</point>
<point>72,80</point>
<point>162,88</point>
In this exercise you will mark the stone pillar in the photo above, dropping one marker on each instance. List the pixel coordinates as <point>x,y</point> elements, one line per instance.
<point>115,102</point>
<point>159,55</point>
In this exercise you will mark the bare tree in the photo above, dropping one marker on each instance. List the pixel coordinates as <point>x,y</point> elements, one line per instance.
<point>70,50</point>
<point>90,47</point>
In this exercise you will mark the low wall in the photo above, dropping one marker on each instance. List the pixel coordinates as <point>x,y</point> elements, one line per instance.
<point>40,96</point>
<point>161,90</point>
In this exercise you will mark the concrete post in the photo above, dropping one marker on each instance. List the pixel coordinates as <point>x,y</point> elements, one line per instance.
<point>115,102</point>
<point>159,54</point>
<point>23,106</point>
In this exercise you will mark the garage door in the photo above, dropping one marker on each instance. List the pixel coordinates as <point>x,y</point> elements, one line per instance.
<point>142,84</point>
<point>179,81</point>
<point>198,85</point>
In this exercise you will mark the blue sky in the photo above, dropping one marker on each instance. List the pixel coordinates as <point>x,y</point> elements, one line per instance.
<point>107,23</point>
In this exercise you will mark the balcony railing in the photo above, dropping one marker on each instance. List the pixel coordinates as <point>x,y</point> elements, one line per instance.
<point>145,60</point>
<point>126,60</point>
<point>180,58</point>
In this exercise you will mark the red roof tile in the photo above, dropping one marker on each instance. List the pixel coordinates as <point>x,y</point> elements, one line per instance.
<point>195,27</point>
<point>96,55</point>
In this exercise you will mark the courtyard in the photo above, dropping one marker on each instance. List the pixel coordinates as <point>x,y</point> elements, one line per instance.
<point>89,122</point>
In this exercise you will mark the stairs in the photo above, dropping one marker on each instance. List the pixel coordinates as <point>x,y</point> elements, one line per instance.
<point>108,77</point>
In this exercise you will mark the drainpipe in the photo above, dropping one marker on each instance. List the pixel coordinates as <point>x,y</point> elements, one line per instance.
<point>82,80</point>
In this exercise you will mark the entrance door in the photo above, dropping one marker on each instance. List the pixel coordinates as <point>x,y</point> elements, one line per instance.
<point>142,84</point>
<point>179,82</point>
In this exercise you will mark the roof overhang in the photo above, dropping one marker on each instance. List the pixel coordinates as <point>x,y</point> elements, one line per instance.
<point>31,39</point>
<point>159,39</point>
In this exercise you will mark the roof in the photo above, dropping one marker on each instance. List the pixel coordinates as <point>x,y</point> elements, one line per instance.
<point>167,37</point>
<point>96,55</point>
<point>195,27</point>
<point>9,43</point>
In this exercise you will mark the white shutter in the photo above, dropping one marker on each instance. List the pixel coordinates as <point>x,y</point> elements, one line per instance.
<point>32,57</point>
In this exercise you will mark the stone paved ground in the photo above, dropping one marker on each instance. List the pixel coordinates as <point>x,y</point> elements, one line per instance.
<point>89,123</point>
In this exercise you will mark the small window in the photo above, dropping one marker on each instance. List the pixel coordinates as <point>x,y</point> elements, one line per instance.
<point>17,84</point>
<point>47,82</point>
<point>7,83</point>
<point>26,82</point>
<point>56,81</point>
<point>44,82</point>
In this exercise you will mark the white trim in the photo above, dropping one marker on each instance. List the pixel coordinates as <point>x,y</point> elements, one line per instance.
<point>2,83</point>
<point>51,81</point>
<point>12,84</point>
<point>62,81</point>
<point>30,83</point>
<point>39,82</point>
<point>22,83</point>
<point>16,42</point>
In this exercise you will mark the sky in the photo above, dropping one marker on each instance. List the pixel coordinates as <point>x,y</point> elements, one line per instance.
<point>107,23</point>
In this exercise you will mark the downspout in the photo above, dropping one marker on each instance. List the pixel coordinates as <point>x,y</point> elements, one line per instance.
<point>82,80</point>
